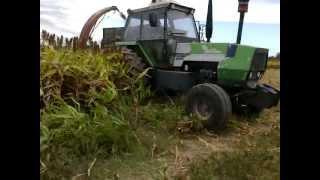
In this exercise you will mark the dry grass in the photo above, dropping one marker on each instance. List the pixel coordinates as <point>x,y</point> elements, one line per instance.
<point>251,151</point>
<point>274,63</point>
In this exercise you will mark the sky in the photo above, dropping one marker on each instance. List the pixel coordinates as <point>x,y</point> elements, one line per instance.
<point>67,17</point>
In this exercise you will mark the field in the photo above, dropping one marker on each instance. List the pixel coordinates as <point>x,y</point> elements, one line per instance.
<point>274,63</point>
<point>98,121</point>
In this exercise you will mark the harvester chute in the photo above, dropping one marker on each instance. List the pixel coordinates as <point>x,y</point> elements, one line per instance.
<point>88,27</point>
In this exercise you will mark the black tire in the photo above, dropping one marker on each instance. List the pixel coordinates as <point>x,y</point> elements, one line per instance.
<point>224,93</point>
<point>210,103</point>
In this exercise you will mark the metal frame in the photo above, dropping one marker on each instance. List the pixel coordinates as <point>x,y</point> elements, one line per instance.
<point>164,5</point>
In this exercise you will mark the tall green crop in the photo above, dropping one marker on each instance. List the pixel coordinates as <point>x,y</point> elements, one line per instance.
<point>89,102</point>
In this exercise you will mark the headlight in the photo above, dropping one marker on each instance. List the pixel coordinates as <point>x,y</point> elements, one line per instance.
<point>186,67</point>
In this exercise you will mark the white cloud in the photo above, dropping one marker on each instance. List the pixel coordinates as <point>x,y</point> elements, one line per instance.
<point>76,12</point>
<point>260,11</point>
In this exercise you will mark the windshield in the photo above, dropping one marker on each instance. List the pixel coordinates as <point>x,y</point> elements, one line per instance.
<point>181,24</point>
<point>152,32</point>
<point>132,33</point>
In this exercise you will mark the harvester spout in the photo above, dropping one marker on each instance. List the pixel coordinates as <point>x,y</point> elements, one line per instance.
<point>209,25</point>
<point>91,22</point>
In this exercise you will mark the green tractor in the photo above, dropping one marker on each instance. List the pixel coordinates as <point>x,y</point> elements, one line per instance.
<point>216,77</point>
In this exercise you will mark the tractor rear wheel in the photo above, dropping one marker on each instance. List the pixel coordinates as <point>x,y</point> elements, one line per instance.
<point>211,104</point>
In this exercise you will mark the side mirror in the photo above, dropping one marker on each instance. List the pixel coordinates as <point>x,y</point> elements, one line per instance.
<point>153,19</point>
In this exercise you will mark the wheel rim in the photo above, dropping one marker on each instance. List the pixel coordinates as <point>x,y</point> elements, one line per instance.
<point>202,109</point>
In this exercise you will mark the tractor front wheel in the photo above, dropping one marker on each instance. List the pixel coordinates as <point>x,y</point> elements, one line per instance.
<point>210,103</point>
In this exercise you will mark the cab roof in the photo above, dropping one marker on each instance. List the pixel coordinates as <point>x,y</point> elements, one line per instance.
<point>168,5</point>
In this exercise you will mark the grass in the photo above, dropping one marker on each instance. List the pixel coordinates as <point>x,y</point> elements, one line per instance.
<point>74,144</point>
<point>274,63</point>
<point>256,152</point>
<point>238,165</point>
<point>254,157</point>
<point>98,121</point>
<point>94,111</point>
<point>90,105</point>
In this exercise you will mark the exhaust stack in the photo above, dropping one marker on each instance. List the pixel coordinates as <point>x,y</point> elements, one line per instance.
<point>242,9</point>
<point>209,25</point>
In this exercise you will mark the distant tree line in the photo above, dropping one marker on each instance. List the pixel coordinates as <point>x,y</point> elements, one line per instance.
<point>277,56</point>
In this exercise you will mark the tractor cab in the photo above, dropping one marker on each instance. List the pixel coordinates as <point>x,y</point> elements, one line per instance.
<point>161,22</point>
<point>157,29</point>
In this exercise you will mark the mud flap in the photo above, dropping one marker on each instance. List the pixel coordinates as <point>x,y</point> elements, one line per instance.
<point>264,96</point>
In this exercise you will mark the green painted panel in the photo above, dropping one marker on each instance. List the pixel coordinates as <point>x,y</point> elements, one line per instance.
<point>146,54</point>
<point>196,48</point>
<point>236,68</point>
<point>154,50</point>
<point>230,69</point>
<point>210,48</point>
<point>221,47</point>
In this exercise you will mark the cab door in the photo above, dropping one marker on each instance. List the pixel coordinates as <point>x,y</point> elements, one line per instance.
<point>153,37</point>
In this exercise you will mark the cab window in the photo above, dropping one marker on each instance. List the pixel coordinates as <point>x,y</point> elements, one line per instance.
<point>132,32</point>
<point>152,32</point>
<point>182,24</point>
